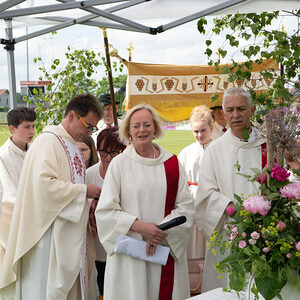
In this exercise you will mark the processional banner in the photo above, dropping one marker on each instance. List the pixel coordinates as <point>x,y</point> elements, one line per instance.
<point>174,90</point>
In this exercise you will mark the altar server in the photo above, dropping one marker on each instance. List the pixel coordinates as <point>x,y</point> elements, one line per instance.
<point>21,124</point>
<point>190,157</point>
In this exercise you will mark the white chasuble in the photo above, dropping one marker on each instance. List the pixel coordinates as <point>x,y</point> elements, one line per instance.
<point>218,182</point>
<point>45,251</point>
<point>135,187</point>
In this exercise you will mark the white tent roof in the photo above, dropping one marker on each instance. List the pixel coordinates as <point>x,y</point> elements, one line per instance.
<point>133,15</point>
<point>130,15</point>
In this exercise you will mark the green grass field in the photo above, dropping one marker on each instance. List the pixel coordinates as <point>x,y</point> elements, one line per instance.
<point>173,140</point>
<point>4,134</point>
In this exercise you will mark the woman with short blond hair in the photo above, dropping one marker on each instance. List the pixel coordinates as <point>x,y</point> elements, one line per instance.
<point>144,186</point>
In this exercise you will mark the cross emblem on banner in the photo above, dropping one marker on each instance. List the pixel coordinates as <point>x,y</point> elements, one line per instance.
<point>205,83</point>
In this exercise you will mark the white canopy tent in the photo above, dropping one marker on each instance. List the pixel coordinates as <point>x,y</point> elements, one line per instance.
<point>130,15</point>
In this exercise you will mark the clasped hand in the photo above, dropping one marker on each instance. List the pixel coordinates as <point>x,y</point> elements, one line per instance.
<point>151,233</point>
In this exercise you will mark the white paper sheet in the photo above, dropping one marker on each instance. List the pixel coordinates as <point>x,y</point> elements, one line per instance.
<point>137,248</point>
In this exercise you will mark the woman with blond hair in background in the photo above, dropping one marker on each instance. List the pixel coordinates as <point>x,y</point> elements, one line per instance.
<point>190,157</point>
<point>144,186</point>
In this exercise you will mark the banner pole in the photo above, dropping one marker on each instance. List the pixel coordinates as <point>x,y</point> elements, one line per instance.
<point>110,78</point>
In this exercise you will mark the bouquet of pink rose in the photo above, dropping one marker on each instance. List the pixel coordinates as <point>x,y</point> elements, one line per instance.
<point>263,236</point>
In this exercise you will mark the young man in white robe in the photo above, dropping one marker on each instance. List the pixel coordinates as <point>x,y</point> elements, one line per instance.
<point>218,180</point>
<point>21,124</point>
<point>46,256</point>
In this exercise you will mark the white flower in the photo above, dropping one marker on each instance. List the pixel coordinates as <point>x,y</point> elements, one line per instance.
<point>252,242</point>
<point>255,235</point>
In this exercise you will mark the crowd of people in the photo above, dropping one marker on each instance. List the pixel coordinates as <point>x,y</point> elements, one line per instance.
<point>66,199</point>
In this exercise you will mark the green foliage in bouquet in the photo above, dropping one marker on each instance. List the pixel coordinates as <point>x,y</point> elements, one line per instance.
<point>263,236</point>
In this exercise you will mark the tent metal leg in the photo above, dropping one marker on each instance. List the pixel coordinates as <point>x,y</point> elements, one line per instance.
<point>11,65</point>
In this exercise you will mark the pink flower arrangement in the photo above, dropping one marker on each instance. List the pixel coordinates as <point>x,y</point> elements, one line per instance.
<point>231,211</point>
<point>242,244</point>
<point>279,173</point>
<point>264,228</point>
<point>257,204</point>
<point>262,178</point>
<point>291,191</point>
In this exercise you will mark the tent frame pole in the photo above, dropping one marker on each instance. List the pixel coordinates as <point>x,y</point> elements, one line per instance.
<point>10,47</point>
<point>9,3</point>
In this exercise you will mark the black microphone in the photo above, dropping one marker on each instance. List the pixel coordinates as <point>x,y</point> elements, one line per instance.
<point>172,223</point>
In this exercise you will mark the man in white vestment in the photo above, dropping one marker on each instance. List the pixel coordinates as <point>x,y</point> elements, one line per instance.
<point>108,116</point>
<point>220,123</point>
<point>21,123</point>
<point>218,180</point>
<point>46,255</point>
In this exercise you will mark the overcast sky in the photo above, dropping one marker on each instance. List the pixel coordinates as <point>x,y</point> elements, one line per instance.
<point>180,45</point>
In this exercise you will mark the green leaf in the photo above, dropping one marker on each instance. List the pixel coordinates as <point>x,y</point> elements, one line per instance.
<point>208,52</point>
<point>256,171</point>
<point>201,24</point>
<point>238,198</point>
<point>270,287</point>
<point>208,42</point>
<point>225,70</point>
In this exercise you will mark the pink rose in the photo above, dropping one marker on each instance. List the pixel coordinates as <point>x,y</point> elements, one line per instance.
<point>266,249</point>
<point>252,241</point>
<point>242,244</point>
<point>291,191</point>
<point>298,246</point>
<point>231,211</point>
<point>255,235</point>
<point>244,234</point>
<point>288,255</point>
<point>279,173</point>
<point>262,178</point>
<point>257,204</point>
<point>280,225</point>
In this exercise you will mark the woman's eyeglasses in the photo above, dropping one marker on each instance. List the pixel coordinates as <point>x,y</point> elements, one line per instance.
<point>111,153</point>
<point>88,127</point>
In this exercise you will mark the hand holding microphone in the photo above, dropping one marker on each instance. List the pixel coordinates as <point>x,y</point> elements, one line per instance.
<point>172,223</point>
